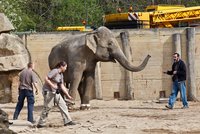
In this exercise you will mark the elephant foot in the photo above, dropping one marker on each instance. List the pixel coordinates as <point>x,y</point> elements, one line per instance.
<point>85,107</point>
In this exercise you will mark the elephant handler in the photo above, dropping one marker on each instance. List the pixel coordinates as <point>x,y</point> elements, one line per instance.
<point>178,73</point>
<point>54,83</point>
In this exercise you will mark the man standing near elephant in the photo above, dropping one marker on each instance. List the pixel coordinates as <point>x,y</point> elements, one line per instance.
<point>53,85</point>
<point>178,73</point>
<point>27,80</point>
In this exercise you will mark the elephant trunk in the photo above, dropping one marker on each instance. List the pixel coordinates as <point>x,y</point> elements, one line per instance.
<point>120,57</point>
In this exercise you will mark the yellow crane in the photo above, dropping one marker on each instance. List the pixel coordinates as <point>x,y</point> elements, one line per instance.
<point>155,16</point>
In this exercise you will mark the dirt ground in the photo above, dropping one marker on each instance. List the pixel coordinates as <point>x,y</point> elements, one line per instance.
<point>115,116</point>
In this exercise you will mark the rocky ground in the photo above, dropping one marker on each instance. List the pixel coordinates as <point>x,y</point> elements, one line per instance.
<point>115,116</point>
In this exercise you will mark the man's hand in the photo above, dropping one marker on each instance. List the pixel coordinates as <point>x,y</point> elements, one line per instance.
<point>175,72</point>
<point>70,97</point>
<point>36,87</point>
<point>55,86</point>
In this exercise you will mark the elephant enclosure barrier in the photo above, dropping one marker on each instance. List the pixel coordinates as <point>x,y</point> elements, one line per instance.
<point>149,83</point>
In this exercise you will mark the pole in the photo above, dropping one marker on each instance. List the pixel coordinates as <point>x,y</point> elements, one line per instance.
<point>191,63</point>
<point>98,88</point>
<point>177,48</point>
<point>128,75</point>
<point>177,43</point>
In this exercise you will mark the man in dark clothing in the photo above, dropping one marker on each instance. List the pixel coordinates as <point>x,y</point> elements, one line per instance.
<point>178,73</point>
<point>27,80</point>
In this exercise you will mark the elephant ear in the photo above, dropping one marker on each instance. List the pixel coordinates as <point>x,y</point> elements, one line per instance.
<point>92,41</point>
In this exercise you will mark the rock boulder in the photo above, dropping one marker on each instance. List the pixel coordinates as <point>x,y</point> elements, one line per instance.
<point>4,123</point>
<point>13,53</point>
<point>5,24</point>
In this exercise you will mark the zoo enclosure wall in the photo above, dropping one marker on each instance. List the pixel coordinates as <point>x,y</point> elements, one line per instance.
<point>148,83</point>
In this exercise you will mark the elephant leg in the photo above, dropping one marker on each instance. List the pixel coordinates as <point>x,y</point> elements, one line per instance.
<point>88,86</point>
<point>80,91</point>
<point>76,79</point>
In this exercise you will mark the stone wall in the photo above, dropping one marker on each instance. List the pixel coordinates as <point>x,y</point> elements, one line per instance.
<point>13,58</point>
<point>147,83</point>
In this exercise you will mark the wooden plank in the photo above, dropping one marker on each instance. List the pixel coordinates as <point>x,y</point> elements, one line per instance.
<point>98,88</point>
<point>191,63</point>
<point>128,75</point>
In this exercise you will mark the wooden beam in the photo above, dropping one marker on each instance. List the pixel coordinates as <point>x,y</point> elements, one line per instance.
<point>98,88</point>
<point>177,49</point>
<point>177,43</point>
<point>128,75</point>
<point>191,63</point>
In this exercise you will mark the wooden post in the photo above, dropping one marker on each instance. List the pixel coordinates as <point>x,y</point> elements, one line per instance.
<point>128,75</point>
<point>177,43</point>
<point>98,89</point>
<point>191,63</point>
<point>177,48</point>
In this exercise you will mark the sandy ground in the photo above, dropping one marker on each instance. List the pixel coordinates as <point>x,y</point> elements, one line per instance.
<point>114,117</point>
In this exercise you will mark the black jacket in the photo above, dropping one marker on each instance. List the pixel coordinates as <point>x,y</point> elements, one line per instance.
<point>181,71</point>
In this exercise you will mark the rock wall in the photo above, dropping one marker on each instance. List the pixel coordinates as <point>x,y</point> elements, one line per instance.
<point>13,58</point>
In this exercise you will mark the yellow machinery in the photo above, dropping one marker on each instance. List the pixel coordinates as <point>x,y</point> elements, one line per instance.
<point>152,8</point>
<point>73,28</point>
<point>155,16</point>
<point>127,20</point>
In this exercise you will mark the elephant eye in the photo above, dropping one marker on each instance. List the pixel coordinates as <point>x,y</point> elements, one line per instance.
<point>109,50</point>
<point>110,44</point>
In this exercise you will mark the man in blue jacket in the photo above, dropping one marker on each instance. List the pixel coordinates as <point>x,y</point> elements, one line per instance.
<point>178,73</point>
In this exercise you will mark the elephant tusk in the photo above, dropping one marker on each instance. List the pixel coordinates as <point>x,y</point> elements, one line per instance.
<point>114,61</point>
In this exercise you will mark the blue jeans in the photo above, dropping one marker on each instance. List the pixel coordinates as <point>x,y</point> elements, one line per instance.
<point>25,93</point>
<point>176,87</point>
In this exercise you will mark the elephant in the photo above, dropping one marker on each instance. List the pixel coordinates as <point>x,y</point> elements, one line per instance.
<point>81,53</point>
